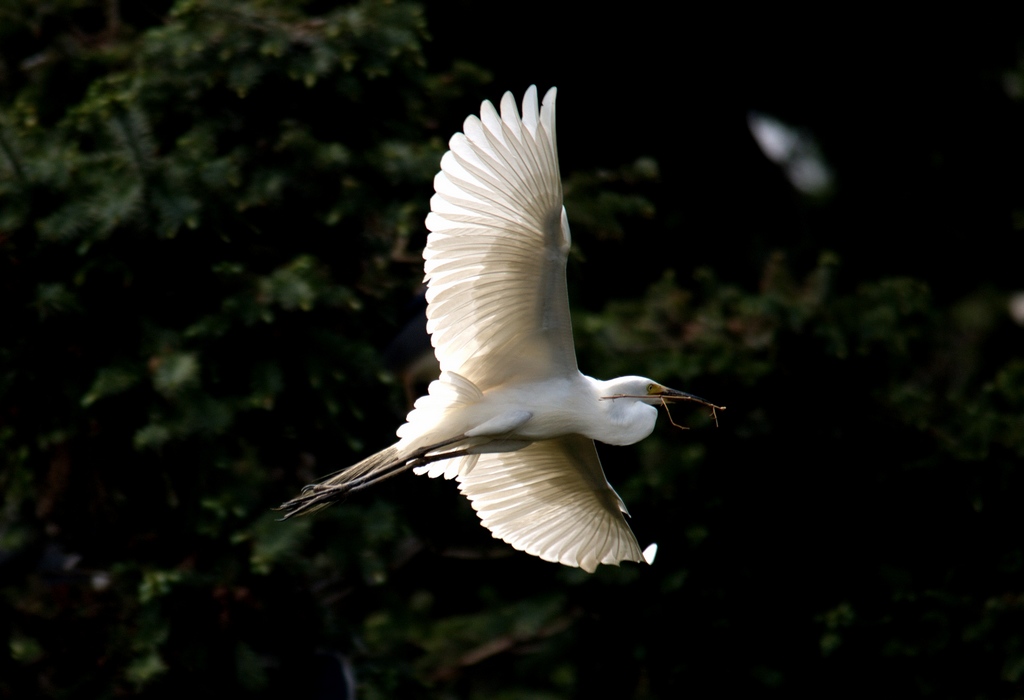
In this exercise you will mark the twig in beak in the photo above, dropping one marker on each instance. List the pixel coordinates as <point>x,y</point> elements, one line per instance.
<point>665,400</point>
<point>668,413</point>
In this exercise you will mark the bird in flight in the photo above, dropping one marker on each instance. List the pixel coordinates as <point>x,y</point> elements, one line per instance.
<point>511,418</point>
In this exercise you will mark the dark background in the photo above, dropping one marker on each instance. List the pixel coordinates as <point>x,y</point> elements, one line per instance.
<point>210,221</point>
<point>912,113</point>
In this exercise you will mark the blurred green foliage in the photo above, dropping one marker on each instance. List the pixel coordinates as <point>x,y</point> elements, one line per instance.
<point>210,217</point>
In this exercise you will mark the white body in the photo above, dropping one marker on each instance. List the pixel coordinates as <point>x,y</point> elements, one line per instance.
<point>534,411</point>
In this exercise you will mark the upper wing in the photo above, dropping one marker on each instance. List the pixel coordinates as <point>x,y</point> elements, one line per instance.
<point>495,259</point>
<point>552,500</point>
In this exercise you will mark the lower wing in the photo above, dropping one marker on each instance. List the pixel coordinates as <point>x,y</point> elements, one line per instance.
<point>552,500</point>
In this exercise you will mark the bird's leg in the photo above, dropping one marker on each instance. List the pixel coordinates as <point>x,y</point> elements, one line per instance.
<point>344,479</point>
<point>313,497</point>
<point>412,463</point>
<point>317,496</point>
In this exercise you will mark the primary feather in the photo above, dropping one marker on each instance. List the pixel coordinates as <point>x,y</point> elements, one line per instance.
<point>498,309</point>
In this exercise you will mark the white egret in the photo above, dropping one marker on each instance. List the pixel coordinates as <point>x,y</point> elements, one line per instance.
<point>511,418</point>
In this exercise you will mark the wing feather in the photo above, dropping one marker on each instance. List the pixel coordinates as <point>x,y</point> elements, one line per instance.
<point>552,500</point>
<point>497,308</point>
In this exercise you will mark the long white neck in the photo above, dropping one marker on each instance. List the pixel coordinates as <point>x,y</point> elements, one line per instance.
<point>622,421</point>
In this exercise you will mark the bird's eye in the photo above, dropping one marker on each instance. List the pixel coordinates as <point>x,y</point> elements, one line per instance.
<point>652,388</point>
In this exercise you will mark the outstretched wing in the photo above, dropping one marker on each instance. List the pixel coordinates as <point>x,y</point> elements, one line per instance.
<point>552,500</point>
<point>495,258</point>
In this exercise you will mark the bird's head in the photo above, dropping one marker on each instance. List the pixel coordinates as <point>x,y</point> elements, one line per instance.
<point>649,392</point>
